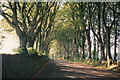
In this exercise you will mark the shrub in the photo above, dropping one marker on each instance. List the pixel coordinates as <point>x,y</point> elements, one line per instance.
<point>18,50</point>
<point>41,54</point>
<point>32,51</point>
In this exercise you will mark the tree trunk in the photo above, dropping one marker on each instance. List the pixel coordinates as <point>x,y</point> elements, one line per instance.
<point>97,50</point>
<point>64,53</point>
<point>94,53</point>
<point>42,48</point>
<point>77,51</point>
<point>82,49</point>
<point>88,32</point>
<point>46,51</point>
<point>88,43</point>
<point>108,45</point>
<point>23,44</point>
<point>99,28</point>
<point>108,31</point>
<point>115,42</point>
<point>104,43</point>
<point>31,42</point>
<point>40,40</point>
<point>72,48</point>
<point>60,51</point>
<point>37,42</point>
<point>115,45</point>
<point>102,51</point>
<point>76,44</point>
<point>68,51</point>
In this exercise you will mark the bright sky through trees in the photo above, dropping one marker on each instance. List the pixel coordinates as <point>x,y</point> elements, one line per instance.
<point>80,27</point>
<point>9,43</point>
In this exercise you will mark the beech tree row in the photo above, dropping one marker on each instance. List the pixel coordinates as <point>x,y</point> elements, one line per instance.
<point>32,21</point>
<point>83,25</point>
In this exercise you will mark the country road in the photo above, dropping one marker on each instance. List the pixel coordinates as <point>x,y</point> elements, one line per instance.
<point>63,69</point>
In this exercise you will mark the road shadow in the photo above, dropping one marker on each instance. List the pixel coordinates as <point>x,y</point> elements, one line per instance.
<point>82,71</point>
<point>18,66</point>
<point>56,71</point>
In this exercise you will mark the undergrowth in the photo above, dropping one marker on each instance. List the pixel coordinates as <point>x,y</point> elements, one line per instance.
<point>101,64</point>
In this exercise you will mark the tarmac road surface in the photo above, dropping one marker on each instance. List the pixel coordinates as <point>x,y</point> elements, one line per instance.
<point>64,69</point>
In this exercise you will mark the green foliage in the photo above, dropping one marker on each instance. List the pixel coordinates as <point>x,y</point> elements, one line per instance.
<point>5,26</point>
<point>15,49</point>
<point>41,54</point>
<point>71,25</point>
<point>82,60</point>
<point>19,50</point>
<point>32,51</point>
<point>32,19</point>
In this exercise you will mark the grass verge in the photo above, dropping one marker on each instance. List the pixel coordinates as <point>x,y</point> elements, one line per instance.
<point>18,66</point>
<point>98,64</point>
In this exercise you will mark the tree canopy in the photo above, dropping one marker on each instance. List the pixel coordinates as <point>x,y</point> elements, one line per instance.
<point>82,29</point>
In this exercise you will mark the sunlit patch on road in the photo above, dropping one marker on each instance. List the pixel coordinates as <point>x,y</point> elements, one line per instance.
<point>64,69</point>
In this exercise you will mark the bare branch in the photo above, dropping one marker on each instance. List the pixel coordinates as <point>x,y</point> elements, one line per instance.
<point>10,5</point>
<point>36,12</point>
<point>112,9</point>
<point>37,22</point>
<point>19,6</point>
<point>5,6</point>
<point>23,7</point>
<point>94,10</point>
<point>29,10</point>
<point>11,24</point>
<point>8,15</point>
<point>103,16</point>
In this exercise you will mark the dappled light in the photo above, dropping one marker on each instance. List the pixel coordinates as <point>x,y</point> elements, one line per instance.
<point>60,39</point>
<point>83,71</point>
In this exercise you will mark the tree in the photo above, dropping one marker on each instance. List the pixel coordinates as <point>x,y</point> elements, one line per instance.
<point>108,26</point>
<point>26,18</point>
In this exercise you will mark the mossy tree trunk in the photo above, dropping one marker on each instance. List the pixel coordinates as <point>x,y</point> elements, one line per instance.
<point>82,48</point>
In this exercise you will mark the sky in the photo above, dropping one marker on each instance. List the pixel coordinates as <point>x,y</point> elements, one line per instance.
<point>1,17</point>
<point>10,41</point>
